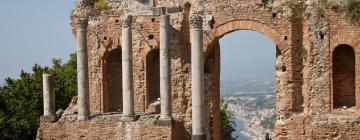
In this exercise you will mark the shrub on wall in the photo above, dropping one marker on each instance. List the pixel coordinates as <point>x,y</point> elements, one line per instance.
<point>227,125</point>
<point>101,4</point>
<point>321,7</point>
<point>352,10</point>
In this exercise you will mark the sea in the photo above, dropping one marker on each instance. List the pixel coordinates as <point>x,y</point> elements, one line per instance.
<point>240,125</point>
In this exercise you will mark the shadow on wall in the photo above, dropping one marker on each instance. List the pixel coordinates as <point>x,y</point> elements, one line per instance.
<point>113,81</point>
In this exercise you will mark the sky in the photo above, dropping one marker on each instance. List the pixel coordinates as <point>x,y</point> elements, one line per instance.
<point>247,55</point>
<point>33,31</point>
<point>36,31</point>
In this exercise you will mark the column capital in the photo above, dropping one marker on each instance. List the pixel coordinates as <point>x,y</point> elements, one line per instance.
<point>196,21</point>
<point>126,21</point>
<point>82,22</point>
<point>164,21</point>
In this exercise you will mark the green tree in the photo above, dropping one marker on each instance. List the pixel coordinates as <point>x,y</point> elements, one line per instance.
<point>21,99</point>
<point>267,137</point>
<point>227,125</point>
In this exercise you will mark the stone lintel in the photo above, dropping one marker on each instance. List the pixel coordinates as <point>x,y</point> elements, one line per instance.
<point>146,12</point>
<point>127,119</point>
<point>140,4</point>
<point>153,11</point>
<point>198,137</point>
<point>83,118</point>
<point>176,9</point>
<point>164,122</point>
<point>48,118</point>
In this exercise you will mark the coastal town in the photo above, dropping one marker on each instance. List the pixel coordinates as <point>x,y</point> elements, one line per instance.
<point>253,112</point>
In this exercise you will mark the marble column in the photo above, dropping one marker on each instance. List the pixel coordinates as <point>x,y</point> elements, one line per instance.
<point>197,80</point>
<point>82,70</point>
<point>48,98</point>
<point>127,71</point>
<point>165,86</point>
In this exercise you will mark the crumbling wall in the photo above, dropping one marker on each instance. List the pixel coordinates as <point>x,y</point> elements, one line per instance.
<point>305,41</point>
<point>324,29</point>
<point>106,126</point>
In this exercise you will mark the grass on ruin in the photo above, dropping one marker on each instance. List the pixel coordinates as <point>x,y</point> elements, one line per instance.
<point>101,5</point>
<point>352,10</point>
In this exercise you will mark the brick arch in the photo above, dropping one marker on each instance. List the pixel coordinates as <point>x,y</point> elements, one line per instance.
<point>343,75</point>
<point>235,25</point>
<point>354,43</point>
<point>212,56</point>
<point>345,39</point>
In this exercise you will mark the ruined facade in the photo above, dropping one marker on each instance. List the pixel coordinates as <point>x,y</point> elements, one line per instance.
<point>317,75</point>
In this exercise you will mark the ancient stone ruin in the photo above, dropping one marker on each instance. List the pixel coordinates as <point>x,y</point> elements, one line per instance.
<point>150,69</point>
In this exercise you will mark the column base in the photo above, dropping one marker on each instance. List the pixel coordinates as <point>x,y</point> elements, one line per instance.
<point>164,121</point>
<point>127,119</point>
<point>83,118</point>
<point>198,137</point>
<point>48,118</point>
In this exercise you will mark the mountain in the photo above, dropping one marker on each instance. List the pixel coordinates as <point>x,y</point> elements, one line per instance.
<point>247,87</point>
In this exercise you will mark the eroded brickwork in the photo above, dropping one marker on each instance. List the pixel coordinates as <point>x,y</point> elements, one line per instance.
<point>305,43</point>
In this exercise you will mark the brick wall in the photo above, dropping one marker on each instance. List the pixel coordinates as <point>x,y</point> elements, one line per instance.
<point>343,32</point>
<point>324,126</point>
<point>105,127</point>
<point>304,39</point>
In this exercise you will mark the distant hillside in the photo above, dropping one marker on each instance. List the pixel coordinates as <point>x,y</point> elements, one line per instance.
<point>247,86</point>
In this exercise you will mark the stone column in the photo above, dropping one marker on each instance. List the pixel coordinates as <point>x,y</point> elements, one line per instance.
<point>127,73</point>
<point>48,98</point>
<point>82,70</point>
<point>197,81</point>
<point>165,86</point>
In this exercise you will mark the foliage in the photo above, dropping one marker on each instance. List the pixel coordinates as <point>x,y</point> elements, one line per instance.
<point>227,125</point>
<point>269,123</point>
<point>321,7</point>
<point>101,4</point>
<point>324,3</point>
<point>304,54</point>
<point>21,99</point>
<point>352,10</point>
<point>350,7</point>
<point>290,3</point>
<point>267,137</point>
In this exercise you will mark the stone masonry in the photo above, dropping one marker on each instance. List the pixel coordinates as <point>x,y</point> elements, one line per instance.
<point>151,69</point>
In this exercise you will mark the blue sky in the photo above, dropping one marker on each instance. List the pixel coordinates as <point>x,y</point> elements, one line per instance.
<point>35,31</point>
<point>247,55</point>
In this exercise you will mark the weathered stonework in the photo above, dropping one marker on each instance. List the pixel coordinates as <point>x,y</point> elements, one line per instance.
<point>305,42</point>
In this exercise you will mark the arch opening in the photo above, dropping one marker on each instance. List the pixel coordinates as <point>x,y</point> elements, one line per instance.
<point>152,80</point>
<point>246,61</point>
<point>112,97</point>
<point>343,77</point>
<point>289,64</point>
